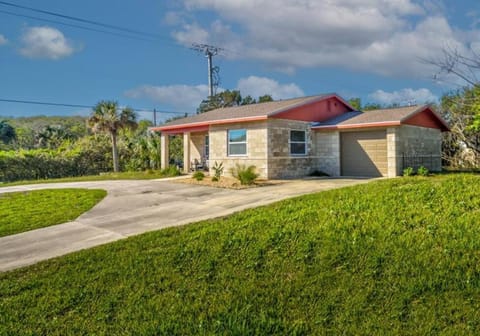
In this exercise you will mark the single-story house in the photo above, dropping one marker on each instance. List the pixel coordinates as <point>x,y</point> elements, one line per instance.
<point>296,137</point>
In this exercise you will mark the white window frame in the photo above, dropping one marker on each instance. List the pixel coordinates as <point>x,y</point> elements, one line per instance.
<point>237,142</point>
<point>290,142</point>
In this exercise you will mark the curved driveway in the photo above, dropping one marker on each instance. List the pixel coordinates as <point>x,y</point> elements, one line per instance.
<point>132,207</point>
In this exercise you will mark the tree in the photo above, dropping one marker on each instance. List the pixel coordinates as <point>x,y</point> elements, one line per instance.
<point>248,100</point>
<point>106,118</point>
<point>461,108</point>
<point>228,99</point>
<point>7,132</point>
<point>372,106</point>
<point>223,99</point>
<point>53,136</point>
<point>265,98</point>
<point>356,103</point>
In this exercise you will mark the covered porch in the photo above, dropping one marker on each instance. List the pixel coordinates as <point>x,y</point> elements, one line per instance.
<point>196,149</point>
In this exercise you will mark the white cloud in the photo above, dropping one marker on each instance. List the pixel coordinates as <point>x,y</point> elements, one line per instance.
<point>377,36</point>
<point>173,18</point>
<point>259,86</point>
<point>188,97</point>
<point>192,33</point>
<point>403,97</point>
<point>3,40</point>
<point>181,97</point>
<point>45,42</point>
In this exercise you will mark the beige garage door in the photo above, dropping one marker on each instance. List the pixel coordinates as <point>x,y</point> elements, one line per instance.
<point>364,153</point>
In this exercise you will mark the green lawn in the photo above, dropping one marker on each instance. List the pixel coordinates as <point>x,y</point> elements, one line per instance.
<point>143,175</point>
<point>399,256</point>
<point>28,210</point>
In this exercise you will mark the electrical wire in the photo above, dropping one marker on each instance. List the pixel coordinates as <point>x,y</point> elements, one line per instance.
<point>75,26</point>
<point>33,102</point>
<point>69,17</point>
<point>135,34</point>
<point>139,35</point>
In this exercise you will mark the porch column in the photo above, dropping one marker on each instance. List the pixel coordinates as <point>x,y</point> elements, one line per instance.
<point>164,155</point>
<point>186,152</point>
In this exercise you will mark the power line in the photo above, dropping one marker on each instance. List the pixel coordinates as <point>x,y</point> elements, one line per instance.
<point>137,35</point>
<point>33,102</point>
<point>74,18</point>
<point>75,26</point>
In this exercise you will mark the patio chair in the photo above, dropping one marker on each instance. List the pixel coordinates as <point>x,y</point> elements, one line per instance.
<point>196,165</point>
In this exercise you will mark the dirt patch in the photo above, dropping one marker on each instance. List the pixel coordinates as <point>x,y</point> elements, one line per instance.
<point>226,182</point>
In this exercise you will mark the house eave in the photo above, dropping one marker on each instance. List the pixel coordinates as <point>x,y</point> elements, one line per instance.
<point>181,128</point>
<point>356,126</point>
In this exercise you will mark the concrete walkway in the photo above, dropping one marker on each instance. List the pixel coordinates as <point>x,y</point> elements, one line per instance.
<point>134,207</point>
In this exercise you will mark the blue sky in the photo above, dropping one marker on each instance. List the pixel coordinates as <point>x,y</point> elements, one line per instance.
<point>370,49</point>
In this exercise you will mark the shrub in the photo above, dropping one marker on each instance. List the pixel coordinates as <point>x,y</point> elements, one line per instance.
<point>246,175</point>
<point>422,171</point>
<point>408,171</point>
<point>198,175</point>
<point>217,171</point>
<point>171,171</point>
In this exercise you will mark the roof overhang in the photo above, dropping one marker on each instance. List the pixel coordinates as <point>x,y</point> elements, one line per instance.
<point>353,126</point>
<point>203,126</point>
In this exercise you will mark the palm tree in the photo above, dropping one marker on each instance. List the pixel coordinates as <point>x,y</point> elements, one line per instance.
<point>106,117</point>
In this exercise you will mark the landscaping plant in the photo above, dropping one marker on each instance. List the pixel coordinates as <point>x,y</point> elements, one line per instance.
<point>408,171</point>
<point>246,175</point>
<point>422,171</point>
<point>217,171</point>
<point>198,175</point>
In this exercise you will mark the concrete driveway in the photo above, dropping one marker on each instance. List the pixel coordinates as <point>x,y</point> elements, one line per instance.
<point>134,207</point>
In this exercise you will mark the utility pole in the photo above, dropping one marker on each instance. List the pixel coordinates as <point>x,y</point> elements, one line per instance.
<point>154,117</point>
<point>209,51</point>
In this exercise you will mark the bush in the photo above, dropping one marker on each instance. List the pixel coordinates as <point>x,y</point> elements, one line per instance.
<point>422,171</point>
<point>408,171</point>
<point>218,171</point>
<point>171,171</point>
<point>198,175</point>
<point>246,175</point>
<point>88,156</point>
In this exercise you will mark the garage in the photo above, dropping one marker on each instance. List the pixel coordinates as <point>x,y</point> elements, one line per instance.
<point>364,153</point>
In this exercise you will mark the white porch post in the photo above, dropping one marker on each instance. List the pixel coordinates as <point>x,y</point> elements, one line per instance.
<point>186,152</point>
<point>164,155</point>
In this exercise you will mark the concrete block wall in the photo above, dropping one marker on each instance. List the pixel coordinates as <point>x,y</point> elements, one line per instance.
<point>256,147</point>
<point>281,164</point>
<point>327,152</point>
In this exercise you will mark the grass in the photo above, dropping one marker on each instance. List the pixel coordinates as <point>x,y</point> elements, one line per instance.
<point>24,211</point>
<point>143,175</point>
<point>399,256</point>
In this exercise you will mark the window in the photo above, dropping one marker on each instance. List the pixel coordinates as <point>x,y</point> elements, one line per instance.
<point>237,142</point>
<point>298,144</point>
<point>207,147</point>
